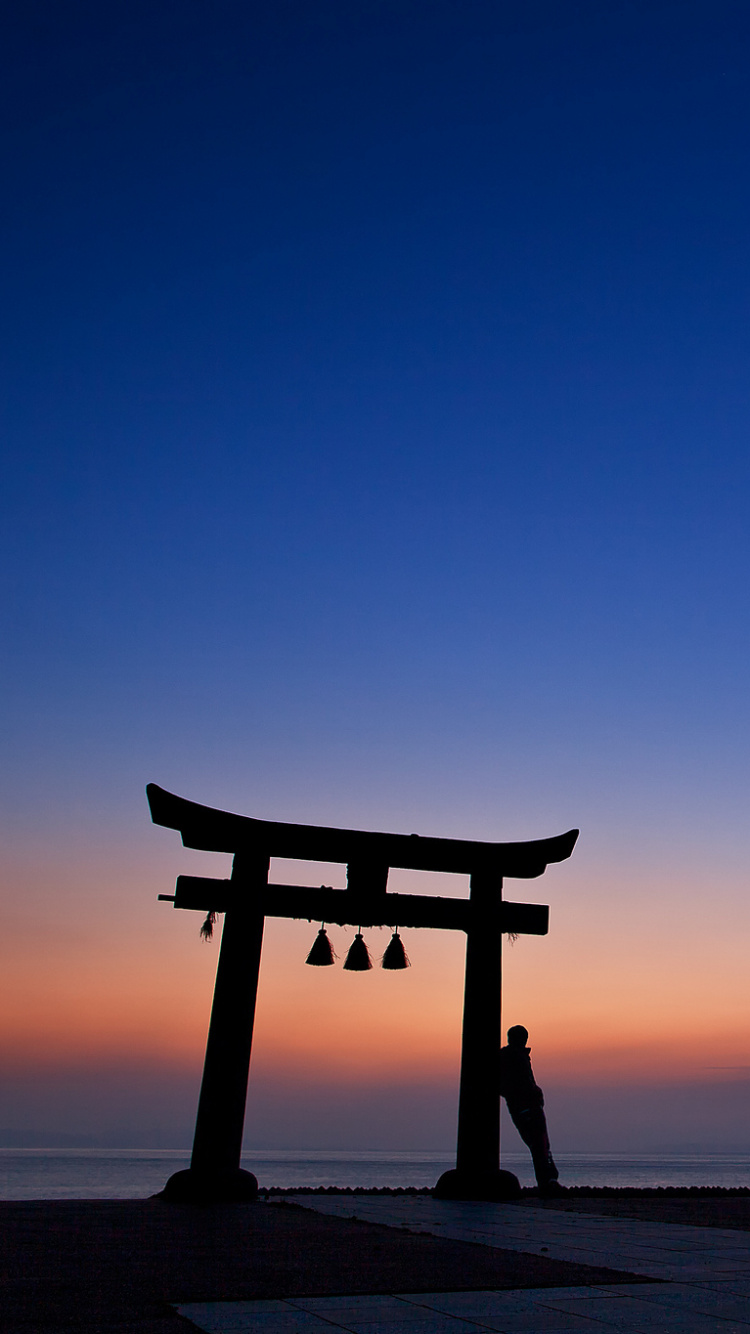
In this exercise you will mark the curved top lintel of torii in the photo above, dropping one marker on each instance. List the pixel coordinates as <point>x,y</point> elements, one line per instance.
<point>211,830</point>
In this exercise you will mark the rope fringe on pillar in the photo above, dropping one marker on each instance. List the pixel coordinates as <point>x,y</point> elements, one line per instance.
<point>207,930</point>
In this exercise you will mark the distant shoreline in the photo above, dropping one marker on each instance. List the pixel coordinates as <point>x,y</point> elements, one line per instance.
<point>527,1192</point>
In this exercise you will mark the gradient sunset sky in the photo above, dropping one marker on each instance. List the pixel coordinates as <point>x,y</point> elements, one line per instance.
<point>375,417</point>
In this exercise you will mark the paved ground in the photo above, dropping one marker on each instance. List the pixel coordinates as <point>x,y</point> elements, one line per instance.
<point>121,1266</point>
<point>658,1250</point>
<point>704,1273</point>
<point>698,1210</point>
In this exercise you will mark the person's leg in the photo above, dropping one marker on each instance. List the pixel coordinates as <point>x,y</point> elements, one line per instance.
<point>544,1163</point>
<point>531,1124</point>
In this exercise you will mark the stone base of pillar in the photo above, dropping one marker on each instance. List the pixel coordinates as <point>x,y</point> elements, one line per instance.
<point>191,1187</point>
<point>494,1185</point>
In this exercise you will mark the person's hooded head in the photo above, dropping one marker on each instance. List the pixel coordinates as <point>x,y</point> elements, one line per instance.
<point>518,1036</point>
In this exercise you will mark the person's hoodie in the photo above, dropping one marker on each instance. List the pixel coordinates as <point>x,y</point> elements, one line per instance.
<point>516,1078</point>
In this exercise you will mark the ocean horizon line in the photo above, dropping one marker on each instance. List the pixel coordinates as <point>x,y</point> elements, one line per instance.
<point>120,1173</point>
<point>85,1144</point>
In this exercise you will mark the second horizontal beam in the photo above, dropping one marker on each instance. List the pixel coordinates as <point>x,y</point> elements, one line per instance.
<point>342,907</point>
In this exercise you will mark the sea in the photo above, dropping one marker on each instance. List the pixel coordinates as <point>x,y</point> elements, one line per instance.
<point>122,1174</point>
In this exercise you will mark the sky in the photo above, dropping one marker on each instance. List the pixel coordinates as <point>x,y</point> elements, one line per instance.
<point>375,431</point>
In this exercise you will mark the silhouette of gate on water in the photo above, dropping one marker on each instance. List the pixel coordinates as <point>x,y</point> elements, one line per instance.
<point>247,899</point>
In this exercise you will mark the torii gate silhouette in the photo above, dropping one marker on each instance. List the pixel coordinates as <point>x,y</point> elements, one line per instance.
<point>247,899</point>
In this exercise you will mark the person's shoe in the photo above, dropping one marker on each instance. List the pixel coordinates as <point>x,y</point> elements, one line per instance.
<point>551,1189</point>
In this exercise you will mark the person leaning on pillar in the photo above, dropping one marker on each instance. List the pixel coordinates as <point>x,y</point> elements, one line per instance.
<point>525,1102</point>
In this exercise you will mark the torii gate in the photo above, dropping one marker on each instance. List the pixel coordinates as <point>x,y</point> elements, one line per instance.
<point>247,899</point>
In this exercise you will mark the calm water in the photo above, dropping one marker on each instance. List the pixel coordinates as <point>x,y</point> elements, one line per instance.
<point>103,1174</point>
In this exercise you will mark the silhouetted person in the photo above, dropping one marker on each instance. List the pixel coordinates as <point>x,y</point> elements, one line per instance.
<point>525,1102</point>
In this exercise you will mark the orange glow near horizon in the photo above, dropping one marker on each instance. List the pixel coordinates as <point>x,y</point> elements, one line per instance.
<point>621,991</point>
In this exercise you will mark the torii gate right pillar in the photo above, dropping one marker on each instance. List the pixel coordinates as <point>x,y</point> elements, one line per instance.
<point>477,1174</point>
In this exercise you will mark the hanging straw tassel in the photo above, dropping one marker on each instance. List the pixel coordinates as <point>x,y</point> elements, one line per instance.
<point>358,959</point>
<point>321,955</point>
<point>395,955</point>
<point>207,930</point>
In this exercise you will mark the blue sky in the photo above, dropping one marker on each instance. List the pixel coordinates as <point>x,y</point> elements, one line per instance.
<point>375,416</point>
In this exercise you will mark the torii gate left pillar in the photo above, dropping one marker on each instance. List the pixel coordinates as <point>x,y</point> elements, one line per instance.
<point>247,898</point>
<point>220,1120</point>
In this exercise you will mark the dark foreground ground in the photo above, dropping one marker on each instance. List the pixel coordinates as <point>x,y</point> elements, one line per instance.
<point>113,1266</point>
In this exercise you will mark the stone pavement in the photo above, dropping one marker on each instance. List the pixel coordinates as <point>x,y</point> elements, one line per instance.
<point>704,1275</point>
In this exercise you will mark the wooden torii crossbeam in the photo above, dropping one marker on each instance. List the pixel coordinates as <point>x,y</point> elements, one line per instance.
<point>247,899</point>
